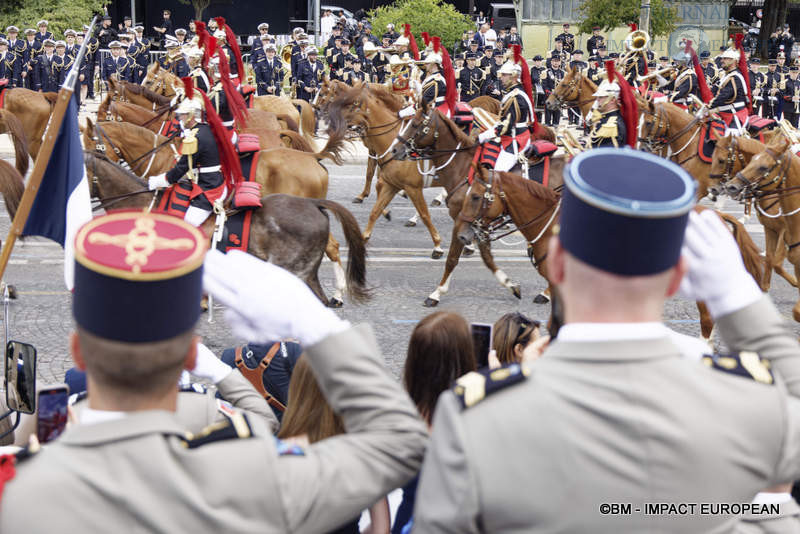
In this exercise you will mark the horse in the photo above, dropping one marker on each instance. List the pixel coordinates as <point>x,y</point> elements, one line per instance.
<point>143,151</point>
<point>731,155</point>
<point>12,185</point>
<point>451,151</point>
<point>773,175</point>
<point>137,94</point>
<point>10,124</point>
<point>159,80</point>
<point>286,230</point>
<point>33,110</point>
<point>574,91</point>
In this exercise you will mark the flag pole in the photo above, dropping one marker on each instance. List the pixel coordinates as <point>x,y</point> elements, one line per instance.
<point>43,158</point>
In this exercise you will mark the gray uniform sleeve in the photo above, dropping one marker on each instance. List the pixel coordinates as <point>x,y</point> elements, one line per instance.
<point>339,477</point>
<point>237,390</point>
<point>760,328</point>
<point>447,497</point>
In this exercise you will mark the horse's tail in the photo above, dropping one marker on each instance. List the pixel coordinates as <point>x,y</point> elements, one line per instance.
<point>291,124</point>
<point>307,118</point>
<point>298,141</point>
<point>12,186</point>
<point>751,255</point>
<point>357,258</point>
<point>337,140</point>
<point>14,128</point>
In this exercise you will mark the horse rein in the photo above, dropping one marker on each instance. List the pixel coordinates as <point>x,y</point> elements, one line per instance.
<point>105,203</point>
<point>755,188</point>
<point>655,137</point>
<point>429,152</point>
<point>566,101</point>
<point>733,156</point>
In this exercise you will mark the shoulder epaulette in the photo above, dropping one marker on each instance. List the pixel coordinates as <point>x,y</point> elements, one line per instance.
<point>745,364</point>
<point>475,386</point>
<point>235,426</point>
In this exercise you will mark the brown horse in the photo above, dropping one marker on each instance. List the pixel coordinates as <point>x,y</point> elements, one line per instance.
<point>10,124</point>
<point>160,81</point>
<point>451,151</point>
<point>137,94</point>
<point>144,152</point>
<point>731,155</point>
<point>11,186</point>
<point>773,176</point>
<point>33,111</point>
<point>289,231</point>
<point>574,91</point>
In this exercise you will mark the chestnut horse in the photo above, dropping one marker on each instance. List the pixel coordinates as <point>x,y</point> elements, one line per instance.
<point>574,91</point>
<point>773,176</point>
<point>450,151</point>
<point>534,211</point>
<point>33,111</point>
<point>10,124</point>
<point>731,155</point>
<point>289,231</point>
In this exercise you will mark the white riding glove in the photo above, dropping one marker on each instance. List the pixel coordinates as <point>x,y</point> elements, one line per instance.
<point>408,111</point>
<point>158,181</point>
<point>486,136</point>
<point>266,302</point>
<point>210,367</point>
<point>716,275</point>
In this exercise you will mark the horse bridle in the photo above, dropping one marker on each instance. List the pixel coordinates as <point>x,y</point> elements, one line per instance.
<point>107,202</point>
<point>755,188</point>
<point>429,122</point>
<point>655,138</point>
<point>483,228</point>
<point>133,165</point>
<point>573,86</point>
<point>732,157</point>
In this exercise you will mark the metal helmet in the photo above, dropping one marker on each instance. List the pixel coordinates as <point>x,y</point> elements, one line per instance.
<point>607,89</point>
<point>431,57</point>
<point>401,41</point>
<point>509,67</point>
<point>730,53</point>
<point>681,58</point>
<point>189,106</point>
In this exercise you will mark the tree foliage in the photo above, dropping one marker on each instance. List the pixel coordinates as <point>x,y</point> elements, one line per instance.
<point>610,14</point>
<point>59,14</point>
<point>433,16</point>
<point>199,7</point>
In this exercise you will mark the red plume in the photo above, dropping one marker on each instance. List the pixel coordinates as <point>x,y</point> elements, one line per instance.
<point>744,71</point>
<point>228,158</point>
<point>426,38</point>
<point>202,40</point>
<point>412,43</point>
<point>235,100</point>
<point>527,84</point>
<point>705,92</point>
<point>234,44</point>
<point>633,26</point>
<point>628,107</point>
<point>450,96</point>
<point>188,87</point>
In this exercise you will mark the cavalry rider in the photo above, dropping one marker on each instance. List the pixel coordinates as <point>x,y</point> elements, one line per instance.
<point>434,87</point>
<point>399,76</point>
<point>731,99</point>
<point>218,97</point>
<point>686,82</point>
<point>194,58</point>
<point>503,144</point>
<point>608,126</point>
<point>200,161</point>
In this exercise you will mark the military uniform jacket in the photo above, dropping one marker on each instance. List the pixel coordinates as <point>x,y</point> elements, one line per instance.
<point>773,80</point>
<point>269,74</point>
<point>143,473</point>
<point>791,90</point>
<point>593,43</point>
<point>434,89</point>
<point>608,129</point>
<point>337,65</point>
<point>177,66</point>
<point>352,77</point>
<point>18,49</point>
<point>485,62</point>
<point>515,112</point>
<point>42,37</point>
<point>711,73</point>
<point>685,84</point>
<point>563,54</point>
<point>200,79</point>
<point>379,62</point>
<point>554,77</point>
<point>731,92</point>
<point>567,41</point>
<point>11,68</point>
<point>310,75</point>
<point>471,81</point>
<point>62,67</point>
<point>121,66</point>
<point>206,157</point>
<point>593,73</point>
<point>298,56</point>
<point>45,76</point>
<point>627,421</point>
<point>31,52</point>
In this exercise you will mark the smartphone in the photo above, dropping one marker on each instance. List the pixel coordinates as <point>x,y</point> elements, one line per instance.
<point>51,417</point>
<point>482,342</point>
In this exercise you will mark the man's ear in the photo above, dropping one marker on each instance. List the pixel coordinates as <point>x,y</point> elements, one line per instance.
<point>191,356</point>
<point>555,261</point>
<point>678,272</point>
<point>75,351</point>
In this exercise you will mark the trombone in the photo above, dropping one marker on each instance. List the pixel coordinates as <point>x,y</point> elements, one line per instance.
<point>659,73</point>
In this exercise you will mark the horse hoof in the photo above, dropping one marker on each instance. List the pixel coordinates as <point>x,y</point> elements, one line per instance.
<point>410,223</point>
<point>436,254</point>
<point>335,303</point>
<point>12,292</point>
<point>468,251</point>
<point>358,200</point>
<point>403,194</point>
<point>436,202</point>
<point>517,291</point>
<point>204,304</point>
<point>430,303</point>
<point>388,215</point>
<point>541,299</point>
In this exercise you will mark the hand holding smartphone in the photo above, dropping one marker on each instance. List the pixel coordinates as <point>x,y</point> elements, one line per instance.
<point>482,341</point>
<point>51,417</point>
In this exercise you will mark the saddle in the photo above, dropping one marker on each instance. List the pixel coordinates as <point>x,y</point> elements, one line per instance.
<point>707,142</point>
<point>463,117</point>
<point>756,123</point>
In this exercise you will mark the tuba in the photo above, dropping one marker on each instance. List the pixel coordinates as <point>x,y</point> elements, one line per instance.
<point>286,57</point>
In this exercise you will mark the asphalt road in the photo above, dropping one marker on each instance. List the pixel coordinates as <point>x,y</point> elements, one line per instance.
<point>400,271</point>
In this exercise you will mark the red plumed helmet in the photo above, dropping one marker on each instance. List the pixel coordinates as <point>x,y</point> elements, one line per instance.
<point>188,87</point>
<point>633,26</point>
<point>426,38</point>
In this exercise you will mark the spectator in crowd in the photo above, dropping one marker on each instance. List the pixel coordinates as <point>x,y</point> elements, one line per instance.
<point>480,20</point>
<point>214,480</point>
<point>105,34</point>
<point>440,351</point>
<point>489,36</point>
<point>326,24</point>
<point>166,25</point>
<point>310,419</point>
<point>613,398</point>
<point>192,30</point>
<point>516,338</point>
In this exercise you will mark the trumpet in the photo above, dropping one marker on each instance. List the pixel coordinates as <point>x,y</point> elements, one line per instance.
<point>661,73</point>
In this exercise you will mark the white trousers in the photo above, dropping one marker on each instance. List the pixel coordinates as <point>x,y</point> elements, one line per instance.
<point>196,216</point>
<point>506,160</point>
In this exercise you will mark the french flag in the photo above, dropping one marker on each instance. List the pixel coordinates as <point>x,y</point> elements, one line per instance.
<point>63,203</point>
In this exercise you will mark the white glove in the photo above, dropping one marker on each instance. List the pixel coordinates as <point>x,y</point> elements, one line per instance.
<point>408,111</point>
<point>266,302</point>
<point>158,181</point>
<point>210,367</point>
<point>716,275</point>
<point>487,135</point>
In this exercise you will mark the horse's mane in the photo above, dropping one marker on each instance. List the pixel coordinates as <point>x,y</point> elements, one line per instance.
<point>339,107</point>
<point>128,128</point>
<point>147,93</point>
<point>746,144</point>
<point>535,189</point>
<point>458,134</point>
<point>95,160</point>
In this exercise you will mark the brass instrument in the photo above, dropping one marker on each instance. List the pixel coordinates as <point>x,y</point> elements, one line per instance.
<point>569,142</point>
<point>286,57</point>
<point>789,131</point>
<point>636,42</point>
<point>661,72</point>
